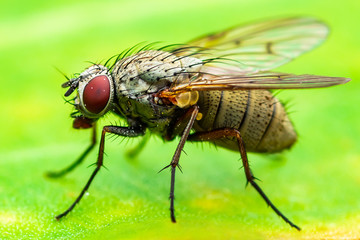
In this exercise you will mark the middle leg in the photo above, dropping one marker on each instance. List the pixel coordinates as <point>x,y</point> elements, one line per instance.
<point>191,113</point>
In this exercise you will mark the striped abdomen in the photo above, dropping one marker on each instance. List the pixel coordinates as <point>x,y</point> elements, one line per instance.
<point>260,117</point>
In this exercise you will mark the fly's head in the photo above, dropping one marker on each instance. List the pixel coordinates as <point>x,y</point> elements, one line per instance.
<point>95,94</point>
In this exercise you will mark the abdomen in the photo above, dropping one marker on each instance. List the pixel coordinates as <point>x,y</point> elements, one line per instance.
<point>259,116</point>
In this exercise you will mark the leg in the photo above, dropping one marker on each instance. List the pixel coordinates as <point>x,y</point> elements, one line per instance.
<point>78,161</point>
<point>231,132</point>
<point>192,112</point>
<point>121,131</point>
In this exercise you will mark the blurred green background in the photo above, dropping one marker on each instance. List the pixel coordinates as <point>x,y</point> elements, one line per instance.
<point>316,184</point>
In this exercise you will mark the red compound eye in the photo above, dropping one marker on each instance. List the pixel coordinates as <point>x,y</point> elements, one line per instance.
<point>96,94</point>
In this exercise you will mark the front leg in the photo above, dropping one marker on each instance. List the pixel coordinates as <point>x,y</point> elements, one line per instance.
<point>78,161</point>
<point>121,131</point>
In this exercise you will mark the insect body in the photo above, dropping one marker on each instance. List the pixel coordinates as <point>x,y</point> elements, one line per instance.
<point>217,86</point>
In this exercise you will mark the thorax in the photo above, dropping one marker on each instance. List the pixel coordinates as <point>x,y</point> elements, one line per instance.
<point>137,80</point>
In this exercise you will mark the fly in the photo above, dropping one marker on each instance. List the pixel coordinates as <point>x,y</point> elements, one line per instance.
<point>214,88</point>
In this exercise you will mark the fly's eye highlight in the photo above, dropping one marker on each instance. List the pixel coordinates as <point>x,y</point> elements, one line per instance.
<point>96,94</point>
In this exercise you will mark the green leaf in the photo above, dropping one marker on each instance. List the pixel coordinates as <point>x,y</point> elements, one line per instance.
<point>315,184</point>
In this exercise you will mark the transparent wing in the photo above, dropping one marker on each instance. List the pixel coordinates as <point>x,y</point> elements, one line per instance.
<point>265,80</point>
<point>258,47</point>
